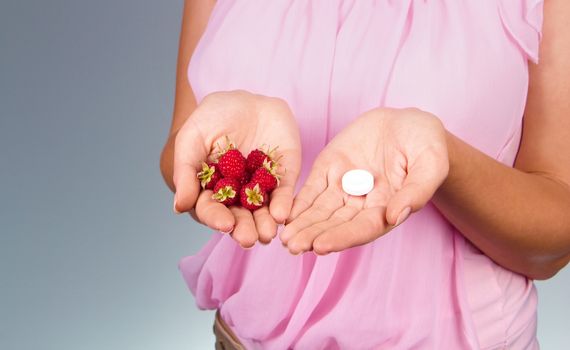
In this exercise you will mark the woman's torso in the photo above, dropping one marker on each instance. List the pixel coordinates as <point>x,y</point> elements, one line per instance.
<point>422,286</point>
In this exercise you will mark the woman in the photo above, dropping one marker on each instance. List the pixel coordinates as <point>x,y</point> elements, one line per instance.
<point>429,96</point>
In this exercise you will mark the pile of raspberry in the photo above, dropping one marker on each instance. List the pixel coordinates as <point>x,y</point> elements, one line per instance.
<point>237,180</point>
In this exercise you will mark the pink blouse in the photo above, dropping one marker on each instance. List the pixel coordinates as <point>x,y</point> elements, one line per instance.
<point>423,285</point>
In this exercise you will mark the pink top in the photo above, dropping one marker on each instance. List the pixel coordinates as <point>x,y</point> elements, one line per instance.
<point>422,286</point>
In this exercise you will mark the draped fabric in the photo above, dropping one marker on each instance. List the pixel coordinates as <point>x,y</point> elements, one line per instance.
<point>422,286</point>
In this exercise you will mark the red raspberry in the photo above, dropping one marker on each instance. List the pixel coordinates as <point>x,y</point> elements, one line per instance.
<point>265,178</point>
<point>227,191</point>
<point>252,196</point>
<point>209,176</point>
<point>255,160</point>
<point>232,164</point>
<point>244,180</point>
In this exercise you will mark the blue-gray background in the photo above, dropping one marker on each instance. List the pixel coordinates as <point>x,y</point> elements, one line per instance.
<point>88,243</point>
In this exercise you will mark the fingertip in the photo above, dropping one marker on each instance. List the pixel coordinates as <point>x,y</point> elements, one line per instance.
<point>403,215</point>
<point>186,196</point>
<point>299,245</point>
<point>245,232</point>
<point>226,232</point>
<point>332,241</point>
<point>285,235</point>
<point>279,212</point>
<point>321,246</point>
<point>397,204</point>
<point>264,241</point>
<point>246,241</point>
<point>174,209</point>
<point>265,224</point>
<point>214,214</point>
<point>391,216</point>
<point>281,203</point>
<point>247,244</point>
<point>224,227</point>
<point>293,250</point>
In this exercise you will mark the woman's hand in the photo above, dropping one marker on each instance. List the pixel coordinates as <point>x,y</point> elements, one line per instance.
<point>405,150</point>
<point>249,121</point>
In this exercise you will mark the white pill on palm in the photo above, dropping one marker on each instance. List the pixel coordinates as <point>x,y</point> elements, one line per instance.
<point>357,182</point>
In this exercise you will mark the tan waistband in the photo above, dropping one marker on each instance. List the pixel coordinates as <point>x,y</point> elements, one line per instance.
<point>225,337</point>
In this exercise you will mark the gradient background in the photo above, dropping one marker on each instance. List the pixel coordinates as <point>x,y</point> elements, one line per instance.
<point>89,245</point>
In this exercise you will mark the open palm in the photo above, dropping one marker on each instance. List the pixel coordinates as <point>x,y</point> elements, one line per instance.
<point>249,121</point>
<point>405,150</point>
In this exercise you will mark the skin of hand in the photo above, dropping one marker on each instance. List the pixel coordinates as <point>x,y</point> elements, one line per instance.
<point>537,246</point>
<point>405,150</point>
<point>517,216</point>
<point>250,121</point>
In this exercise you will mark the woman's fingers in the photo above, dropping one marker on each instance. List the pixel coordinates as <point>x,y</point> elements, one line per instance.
<point>423,179</point>
<point>366,226</point>
<point>245,227</point>
<point>315,184</point>
<point>303,241</point>
<point>245,231</point>
<point>281,202</point>
<point>323,207</point>
<point>189,152</point>
<point>265,224</point>
<point>282,197</point>
<point>214,214</point>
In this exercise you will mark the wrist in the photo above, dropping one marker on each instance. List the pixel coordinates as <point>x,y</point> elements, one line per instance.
<point>452,143</point>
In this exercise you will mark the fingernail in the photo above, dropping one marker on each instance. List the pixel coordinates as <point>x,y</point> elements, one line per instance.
<point>174,206</point>
<point>403,216</point>
<point>227,232</point>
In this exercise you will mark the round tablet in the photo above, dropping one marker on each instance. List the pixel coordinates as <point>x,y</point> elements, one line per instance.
<point>357,182</point>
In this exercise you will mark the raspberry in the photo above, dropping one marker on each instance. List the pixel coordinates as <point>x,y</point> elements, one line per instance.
<point>265,178</point>
<point>209,176</point>
<point>227,191</point>
<point>232,164</point>
<point>252,196</point>
<point>255,160</point>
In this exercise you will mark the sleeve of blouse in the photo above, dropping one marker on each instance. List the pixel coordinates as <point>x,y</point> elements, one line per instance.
<point>522,20</point>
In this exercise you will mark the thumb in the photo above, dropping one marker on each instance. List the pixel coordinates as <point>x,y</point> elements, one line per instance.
<point>418,188</point>
<point>282,196</point>
<point>189,153</point>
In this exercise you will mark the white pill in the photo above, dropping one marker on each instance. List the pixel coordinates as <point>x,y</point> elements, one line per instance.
<point>357,182</point>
